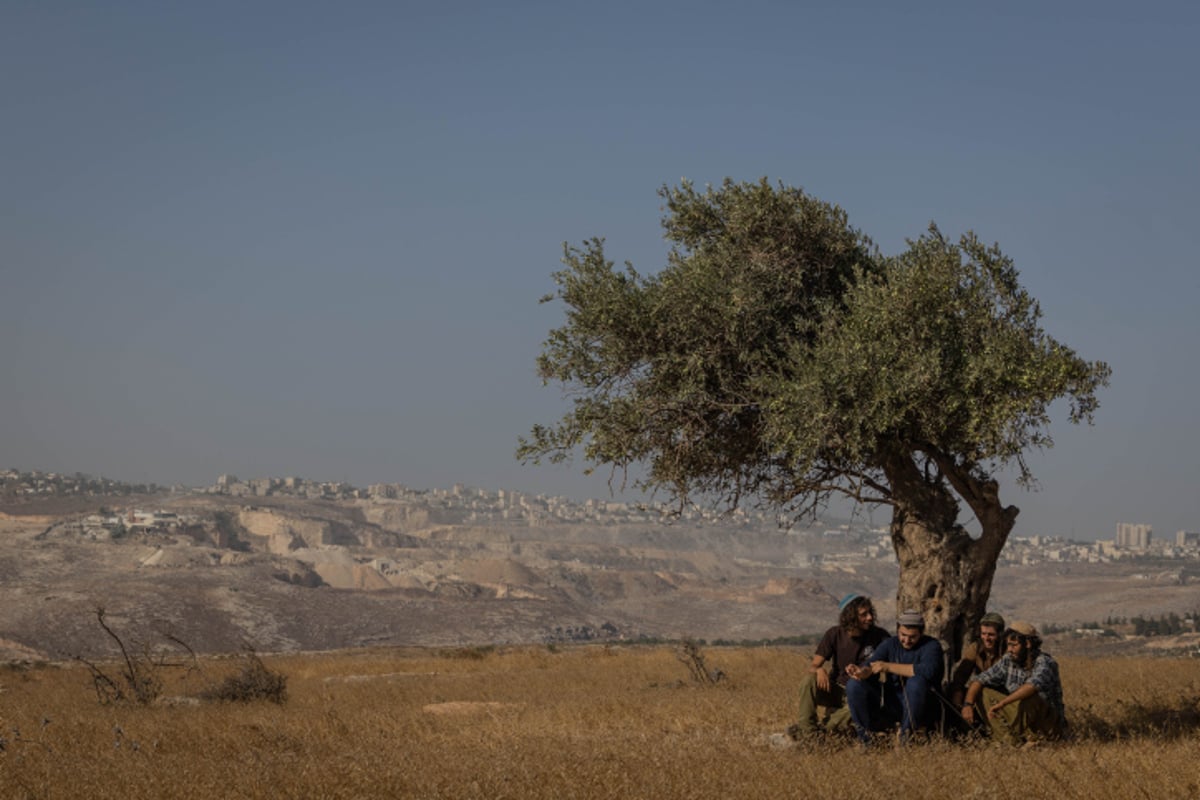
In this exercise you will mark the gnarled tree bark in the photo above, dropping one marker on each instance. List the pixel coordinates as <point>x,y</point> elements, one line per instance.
<point>944,572</point>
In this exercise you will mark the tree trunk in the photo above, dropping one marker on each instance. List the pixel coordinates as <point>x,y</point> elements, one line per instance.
<point>945,576</point>
<point>944,573</point>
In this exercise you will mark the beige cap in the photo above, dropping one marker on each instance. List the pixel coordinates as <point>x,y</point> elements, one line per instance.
<point>1023,628</point>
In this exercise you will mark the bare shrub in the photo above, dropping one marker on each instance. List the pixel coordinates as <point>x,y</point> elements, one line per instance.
<point>691,657</point>
<point>252,683</point>
<point>139,678</point>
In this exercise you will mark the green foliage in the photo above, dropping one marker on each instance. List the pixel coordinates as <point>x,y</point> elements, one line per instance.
<point>670,370</point>
<point>1166,625</point>
<point>778,356</point>
<point>800,640</point>
<point>941,352</point>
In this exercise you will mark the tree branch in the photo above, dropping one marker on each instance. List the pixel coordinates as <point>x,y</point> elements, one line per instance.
<point>982,495</point>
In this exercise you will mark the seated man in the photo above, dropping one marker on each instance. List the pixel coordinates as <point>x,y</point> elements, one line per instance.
<point>850,642</point>
<point>911,665</point>
<point>977,656</point>
<point>1022,691</point>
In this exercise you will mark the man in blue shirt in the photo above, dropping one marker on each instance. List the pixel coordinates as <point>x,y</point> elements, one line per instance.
<point>894,684</point>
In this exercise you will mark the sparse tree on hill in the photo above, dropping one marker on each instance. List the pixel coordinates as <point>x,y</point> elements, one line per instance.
<point>778,359</point>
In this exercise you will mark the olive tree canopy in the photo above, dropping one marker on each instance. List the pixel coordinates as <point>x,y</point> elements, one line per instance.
<point>778,359</point>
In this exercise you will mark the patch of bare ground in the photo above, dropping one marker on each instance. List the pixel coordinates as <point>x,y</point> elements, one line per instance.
<point>463,708</point>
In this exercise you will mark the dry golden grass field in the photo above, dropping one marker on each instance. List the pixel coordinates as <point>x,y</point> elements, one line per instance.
<point>627,722</point>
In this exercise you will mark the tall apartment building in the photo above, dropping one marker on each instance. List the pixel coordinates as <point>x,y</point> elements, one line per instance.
<point>1187,538</point>
<point>1135,536</point>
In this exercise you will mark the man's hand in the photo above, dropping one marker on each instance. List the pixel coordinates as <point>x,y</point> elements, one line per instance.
<point>859,673</point>
<point>822,679</point>
<point>968,714</point>
<point>866,670</point>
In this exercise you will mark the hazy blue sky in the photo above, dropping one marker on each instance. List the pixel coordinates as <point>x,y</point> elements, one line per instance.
<point>309,239</point>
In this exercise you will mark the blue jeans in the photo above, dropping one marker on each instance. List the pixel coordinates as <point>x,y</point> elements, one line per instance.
<point>875,706</point>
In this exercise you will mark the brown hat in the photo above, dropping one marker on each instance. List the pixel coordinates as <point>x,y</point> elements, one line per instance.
<point>1023,628</point>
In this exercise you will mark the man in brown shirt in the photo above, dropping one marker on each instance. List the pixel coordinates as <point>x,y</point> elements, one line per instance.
<point>850,642</point>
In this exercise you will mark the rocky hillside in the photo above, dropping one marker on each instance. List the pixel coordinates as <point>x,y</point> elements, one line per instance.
<point>279,574</point>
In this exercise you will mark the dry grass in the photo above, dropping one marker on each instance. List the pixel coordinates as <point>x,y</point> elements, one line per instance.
<point>586,722</point>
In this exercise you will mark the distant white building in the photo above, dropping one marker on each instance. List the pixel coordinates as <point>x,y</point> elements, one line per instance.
<point>1135,536</point>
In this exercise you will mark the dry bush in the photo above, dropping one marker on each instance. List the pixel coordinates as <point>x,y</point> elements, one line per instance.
<point>474,653</point>
<point>139,676</point>
<point>254,681</point>
<point>690,655</point>
<point>580,722</point>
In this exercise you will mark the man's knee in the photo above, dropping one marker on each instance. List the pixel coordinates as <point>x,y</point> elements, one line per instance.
<point>858,694</point>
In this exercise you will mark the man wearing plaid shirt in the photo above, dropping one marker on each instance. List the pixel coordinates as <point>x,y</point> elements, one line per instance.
<point>1022,692</point>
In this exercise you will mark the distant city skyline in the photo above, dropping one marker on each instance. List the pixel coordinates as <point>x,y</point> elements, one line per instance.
<point>1136,536</point>
<point>829,541</point>
<point>269,240</point>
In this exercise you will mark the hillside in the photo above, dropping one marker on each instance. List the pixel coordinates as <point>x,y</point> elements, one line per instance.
<point>294,574</point>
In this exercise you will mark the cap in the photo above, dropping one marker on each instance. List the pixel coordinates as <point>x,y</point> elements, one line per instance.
<point>911,619</point>
<point>847,600</point>
<point>1023,628</point>
<point>994,620</point>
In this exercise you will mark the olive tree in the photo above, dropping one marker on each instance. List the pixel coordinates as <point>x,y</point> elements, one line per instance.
<point>778,359</point>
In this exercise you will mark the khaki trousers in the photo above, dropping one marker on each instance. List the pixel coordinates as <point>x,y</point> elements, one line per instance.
<point>812,699</point>
<point>1027,720</point>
